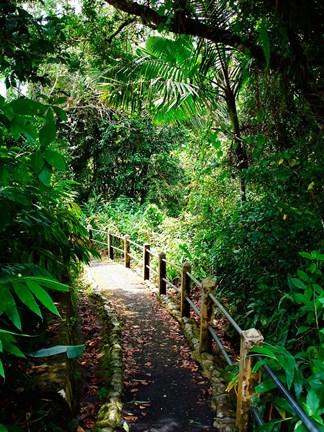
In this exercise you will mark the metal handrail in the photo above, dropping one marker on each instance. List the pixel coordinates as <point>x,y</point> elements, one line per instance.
<point>155,255</point>
<point>194,307</point>
<point>152,270</point>
<point>97,230</point>
<point>199,284</point>
<point>257,416</point>
<point>171,284</point>
<point>220,345</point>
<point>98,241</point>
<point>136,244</point>
<point>118,249</point>
<point>172,265</point>
<point>308,422</point>
<point>117,236</point>
<point>134,258</point>
<point>228,316</point>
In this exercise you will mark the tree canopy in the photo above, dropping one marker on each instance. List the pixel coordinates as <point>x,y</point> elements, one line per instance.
<point>286,37</point>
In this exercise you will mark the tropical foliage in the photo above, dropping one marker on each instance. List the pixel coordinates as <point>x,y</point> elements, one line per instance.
<point>124,156</point>
<point>201,130</point>
<point>42,236</point>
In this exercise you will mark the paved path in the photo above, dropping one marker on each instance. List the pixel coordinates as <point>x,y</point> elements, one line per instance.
<point>164,390</point>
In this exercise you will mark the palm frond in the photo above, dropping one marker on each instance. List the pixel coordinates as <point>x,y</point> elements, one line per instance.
<point>174,79</point>
<point>162,74</point>
<point>214,12</point>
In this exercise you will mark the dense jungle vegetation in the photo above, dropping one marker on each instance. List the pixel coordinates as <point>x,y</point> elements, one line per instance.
<point>196,124</point>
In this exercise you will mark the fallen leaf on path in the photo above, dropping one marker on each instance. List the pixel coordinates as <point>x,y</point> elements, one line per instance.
<point>130,418</point>
<point>143,382</point>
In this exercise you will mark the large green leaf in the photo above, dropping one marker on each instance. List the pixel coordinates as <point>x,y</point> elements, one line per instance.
<point>9,114</point>
<point>282,406</point>
<point>26,297</point>
<point>265,386</point>
<point>264,351</point>
<point>313,400</point>
<point>7,332</point>
<point>49,283</point>
<point>3,301</point>
<point>30,107</point>
<point>45,175</point>
<point>47,133</point>
<point>54,159</point>
<point>37,161</point>
<point>18,127</point>
<point>11,309</point>
<point>42,296</point>
<point>288,364</point>
<point>71,351</point>
<point>9,345</point>
<point>3,375</point>
<point>61,114</point>
<point>298,283</point>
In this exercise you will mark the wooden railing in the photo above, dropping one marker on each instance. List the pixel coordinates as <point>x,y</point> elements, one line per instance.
<point>121,245</point>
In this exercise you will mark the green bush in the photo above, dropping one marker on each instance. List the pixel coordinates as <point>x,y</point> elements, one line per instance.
<point>42,236</point>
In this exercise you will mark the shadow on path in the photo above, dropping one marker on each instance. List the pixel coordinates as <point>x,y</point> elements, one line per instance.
<point>164,389</point>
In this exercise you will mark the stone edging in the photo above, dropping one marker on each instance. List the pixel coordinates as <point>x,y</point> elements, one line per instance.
<point>110,357</point>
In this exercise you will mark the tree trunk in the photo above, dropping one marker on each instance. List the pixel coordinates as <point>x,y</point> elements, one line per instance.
<point>239,148</point>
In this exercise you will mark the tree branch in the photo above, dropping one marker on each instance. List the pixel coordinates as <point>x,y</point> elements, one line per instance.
<point>120,28</point>
<point>186,25</point>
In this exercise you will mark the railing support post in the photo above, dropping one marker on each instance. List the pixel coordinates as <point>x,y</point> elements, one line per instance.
<point>146,261</point>
<point>207,307</point>
<point>110,248</point>
<point>185,289</point>
<point>247,380</point>
<point>126,251</point>
<point>162,273</point>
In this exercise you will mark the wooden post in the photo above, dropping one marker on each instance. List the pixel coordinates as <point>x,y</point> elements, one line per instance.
<point>185,289</point>
<point>89,228</point>
<point>146,261</point>
<point>207,307</point>
<point>110,248</point>
<point>162,273</point>
<point>126,251</point>
<point>247,381</point>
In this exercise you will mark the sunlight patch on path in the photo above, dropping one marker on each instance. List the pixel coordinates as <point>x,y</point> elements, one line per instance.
<point>116,278</point>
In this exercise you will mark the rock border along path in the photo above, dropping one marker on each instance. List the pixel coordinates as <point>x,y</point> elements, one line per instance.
<point>164,389</point>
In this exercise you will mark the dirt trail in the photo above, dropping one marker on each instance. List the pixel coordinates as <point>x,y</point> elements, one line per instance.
<point>164,389</point>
